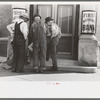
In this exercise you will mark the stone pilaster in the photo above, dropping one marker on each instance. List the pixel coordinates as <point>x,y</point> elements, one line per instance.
<point>88,50</point>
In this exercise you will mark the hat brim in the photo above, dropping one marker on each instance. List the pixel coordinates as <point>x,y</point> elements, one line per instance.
<point>49,20</point>
<point>24,17</point>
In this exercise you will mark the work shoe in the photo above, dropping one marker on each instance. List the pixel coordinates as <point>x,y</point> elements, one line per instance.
<point>35,69</point>
<point>43,68</point>
<point>21,71</point>
<point>54,68</point>
<point>40,70</point>
<point>13,70</point>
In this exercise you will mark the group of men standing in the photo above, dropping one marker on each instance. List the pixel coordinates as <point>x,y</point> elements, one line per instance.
<point>44,36</point>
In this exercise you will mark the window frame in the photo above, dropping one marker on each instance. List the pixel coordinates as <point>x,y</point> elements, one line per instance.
<point>44,5</point>
<point>66,34</point>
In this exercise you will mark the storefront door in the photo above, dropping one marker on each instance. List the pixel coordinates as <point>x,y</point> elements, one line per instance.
<point>64,16</point>
<point>65,21</point>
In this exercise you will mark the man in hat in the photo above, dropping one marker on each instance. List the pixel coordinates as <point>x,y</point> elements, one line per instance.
<point>38,34</point>
<point>53,35</point>
<point>20,36</point>
<point>10,28</point>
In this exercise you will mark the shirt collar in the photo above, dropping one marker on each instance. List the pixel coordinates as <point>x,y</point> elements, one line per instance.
<point>20,20</point>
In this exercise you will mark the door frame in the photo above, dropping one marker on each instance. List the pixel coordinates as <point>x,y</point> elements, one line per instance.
<point>76,33</point>
<point>75,23</point>
<point>73,27</point>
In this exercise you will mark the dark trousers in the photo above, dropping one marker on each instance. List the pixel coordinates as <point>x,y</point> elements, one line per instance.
<point>39,54</point>
<point>19,56</point>
<point>51,50</point>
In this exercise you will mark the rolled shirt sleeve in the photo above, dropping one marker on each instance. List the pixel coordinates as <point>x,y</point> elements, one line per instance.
<point>56,30</point>
<point>10,28</point>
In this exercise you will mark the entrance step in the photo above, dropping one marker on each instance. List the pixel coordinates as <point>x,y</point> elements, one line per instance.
<point>79,69</point>
<point>63,56</point>
<point>72,66</point>
<point>67,65</point>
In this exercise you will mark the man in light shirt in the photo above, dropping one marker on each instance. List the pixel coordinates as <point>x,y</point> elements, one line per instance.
<point>53,35</point>
<point>19,40</point>
<point>10,28</point>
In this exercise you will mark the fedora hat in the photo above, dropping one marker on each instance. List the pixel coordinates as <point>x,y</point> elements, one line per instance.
<point>47,19</point>
<point>24,15</point>
<point>36,15</point>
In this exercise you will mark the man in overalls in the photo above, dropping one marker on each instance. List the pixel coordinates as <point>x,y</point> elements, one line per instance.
<point>38,34</point>
<point>20,36</point>
<point>53,35</point>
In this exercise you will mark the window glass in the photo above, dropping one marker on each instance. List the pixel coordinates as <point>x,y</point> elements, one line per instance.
<point>65,18</point>
<point>44,11</point>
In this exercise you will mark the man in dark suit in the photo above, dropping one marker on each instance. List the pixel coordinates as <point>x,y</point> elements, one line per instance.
<point>38,35</point>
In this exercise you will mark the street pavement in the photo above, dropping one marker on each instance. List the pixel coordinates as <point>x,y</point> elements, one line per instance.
<point>68,71</point>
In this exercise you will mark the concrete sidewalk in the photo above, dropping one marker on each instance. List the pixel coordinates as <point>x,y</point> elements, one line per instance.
<point>68,70</point>
<point>54,77</point>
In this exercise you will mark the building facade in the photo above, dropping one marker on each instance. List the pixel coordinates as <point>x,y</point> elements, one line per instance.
<point>68,16</point>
